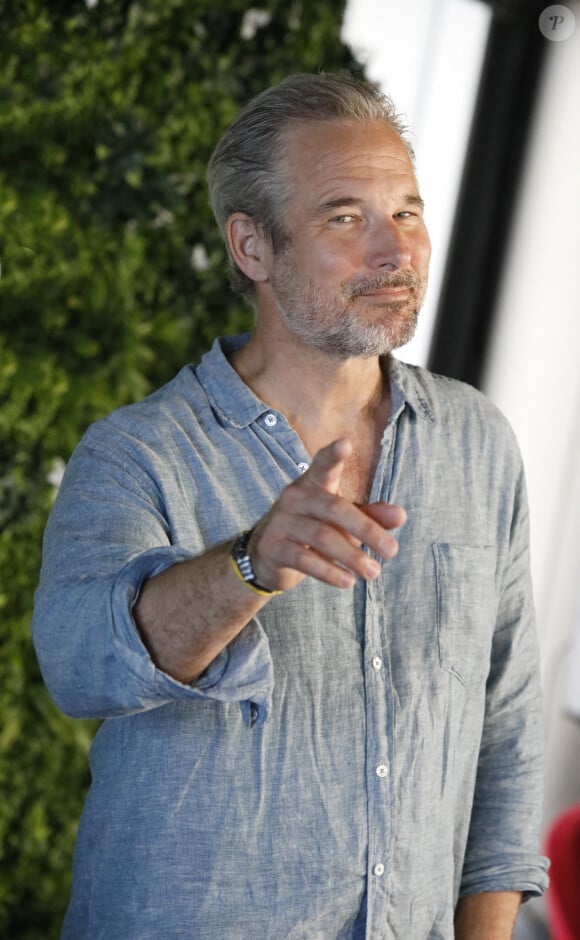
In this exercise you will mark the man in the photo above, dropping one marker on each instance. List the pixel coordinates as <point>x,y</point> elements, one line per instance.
<point>309,733</point>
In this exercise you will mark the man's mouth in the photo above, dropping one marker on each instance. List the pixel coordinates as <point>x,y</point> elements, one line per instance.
<point>396,287</point>
<point>387,293</point>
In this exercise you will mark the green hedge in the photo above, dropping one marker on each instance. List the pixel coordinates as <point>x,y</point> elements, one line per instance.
<point>113,275</point>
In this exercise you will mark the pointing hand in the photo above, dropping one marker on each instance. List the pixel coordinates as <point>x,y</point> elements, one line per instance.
<point>312,530</point>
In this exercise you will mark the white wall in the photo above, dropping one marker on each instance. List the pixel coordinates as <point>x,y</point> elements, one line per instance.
<point>427,55</point>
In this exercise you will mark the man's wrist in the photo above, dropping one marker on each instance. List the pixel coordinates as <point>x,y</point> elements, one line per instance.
<point>242,565</point>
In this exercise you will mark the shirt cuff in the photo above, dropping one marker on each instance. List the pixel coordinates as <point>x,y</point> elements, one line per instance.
<point>526,874</point>
<point>243,672</point>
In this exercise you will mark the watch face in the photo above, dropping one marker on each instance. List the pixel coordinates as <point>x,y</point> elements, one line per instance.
<point>242,558</point>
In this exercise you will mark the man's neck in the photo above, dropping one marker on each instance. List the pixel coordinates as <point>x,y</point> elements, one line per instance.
<point>313,389</point>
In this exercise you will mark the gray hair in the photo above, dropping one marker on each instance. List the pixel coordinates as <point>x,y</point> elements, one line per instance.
<point>244,169</point>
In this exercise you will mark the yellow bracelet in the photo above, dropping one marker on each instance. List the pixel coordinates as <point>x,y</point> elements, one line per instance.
<point>257,590</point>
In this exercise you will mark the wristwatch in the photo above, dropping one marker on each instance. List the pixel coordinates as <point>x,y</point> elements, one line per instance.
<point>242,564</point>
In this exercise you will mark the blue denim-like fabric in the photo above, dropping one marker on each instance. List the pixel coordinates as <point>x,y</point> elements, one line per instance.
<point>397,724</point>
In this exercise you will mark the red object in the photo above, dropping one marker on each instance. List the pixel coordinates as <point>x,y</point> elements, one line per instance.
<point>563,896</point>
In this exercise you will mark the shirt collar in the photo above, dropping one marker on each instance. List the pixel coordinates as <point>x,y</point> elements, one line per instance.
<point>232,400</point>
<point>235,403</point>
<point>408,387</point>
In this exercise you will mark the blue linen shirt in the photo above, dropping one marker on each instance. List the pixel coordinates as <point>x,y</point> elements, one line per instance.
<point>355,760</point>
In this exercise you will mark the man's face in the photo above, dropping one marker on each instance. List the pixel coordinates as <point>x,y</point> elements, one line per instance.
<point>353,277</point>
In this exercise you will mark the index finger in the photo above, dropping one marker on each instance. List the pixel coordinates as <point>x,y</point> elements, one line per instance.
<point>328,464</point>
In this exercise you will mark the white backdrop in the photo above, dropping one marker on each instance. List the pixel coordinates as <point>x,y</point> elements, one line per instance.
<point>427,55</point>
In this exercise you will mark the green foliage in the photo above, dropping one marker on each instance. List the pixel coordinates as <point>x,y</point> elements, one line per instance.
<point>113,275</point>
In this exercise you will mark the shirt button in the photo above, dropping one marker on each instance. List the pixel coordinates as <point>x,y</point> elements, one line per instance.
<point>378,869</point>
<point>303,467</point>
<point>271,420</point>
<point>382,770</point>
<point>377,662</point>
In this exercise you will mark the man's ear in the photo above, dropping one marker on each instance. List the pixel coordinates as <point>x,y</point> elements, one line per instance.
<point>249,246</point>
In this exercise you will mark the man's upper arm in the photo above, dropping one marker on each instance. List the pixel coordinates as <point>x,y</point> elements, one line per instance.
<point>105,536</point>
<point>502,851</point>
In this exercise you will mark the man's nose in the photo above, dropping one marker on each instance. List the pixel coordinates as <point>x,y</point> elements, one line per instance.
<point>388,246</point>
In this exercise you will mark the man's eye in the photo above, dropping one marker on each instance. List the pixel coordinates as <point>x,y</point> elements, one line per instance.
<point>344,218</point>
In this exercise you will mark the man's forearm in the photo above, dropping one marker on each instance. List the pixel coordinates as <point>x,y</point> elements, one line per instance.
<point>490,915</point>
<point>187,614</point>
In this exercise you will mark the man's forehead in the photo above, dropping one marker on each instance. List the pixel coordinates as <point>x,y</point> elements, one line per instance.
<point>348,145</point>
<point>325,156</point>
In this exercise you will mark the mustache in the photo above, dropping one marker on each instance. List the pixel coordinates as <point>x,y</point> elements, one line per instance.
<point>385,281</point>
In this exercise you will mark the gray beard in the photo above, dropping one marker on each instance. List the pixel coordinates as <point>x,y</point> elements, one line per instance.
<point>348,338</point>
<point>336,326</point>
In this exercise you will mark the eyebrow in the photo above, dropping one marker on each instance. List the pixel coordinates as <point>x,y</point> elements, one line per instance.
<point>413,199</point>
<point>410,199</point>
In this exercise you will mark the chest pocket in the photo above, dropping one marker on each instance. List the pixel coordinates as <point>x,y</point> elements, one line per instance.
<point>466,608</point>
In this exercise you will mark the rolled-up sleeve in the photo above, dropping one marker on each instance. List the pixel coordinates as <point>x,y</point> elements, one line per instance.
<point>502,851</point>
<point>107,534</point>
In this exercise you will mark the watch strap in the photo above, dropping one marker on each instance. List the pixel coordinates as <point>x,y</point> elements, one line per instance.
<point>242,565</point>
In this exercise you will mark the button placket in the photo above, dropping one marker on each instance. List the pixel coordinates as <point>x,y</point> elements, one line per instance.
<point>380,711</point>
